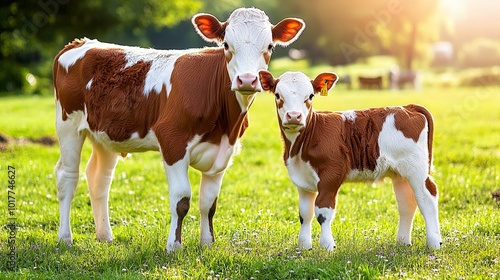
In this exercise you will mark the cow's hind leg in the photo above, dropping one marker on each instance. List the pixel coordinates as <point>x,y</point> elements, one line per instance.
<point>306,214</point>
<point>426,196</point>
<point>67,172</point>
<point>209,191</point>
<point>180,199</point>
<point>100,169</point>
<point>406,207</point>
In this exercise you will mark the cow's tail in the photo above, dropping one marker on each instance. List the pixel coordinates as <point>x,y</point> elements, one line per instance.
<point>430,128</point>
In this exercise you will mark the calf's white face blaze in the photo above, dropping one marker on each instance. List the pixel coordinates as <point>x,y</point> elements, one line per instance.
<point>294,93</point>
<point>248,39</point>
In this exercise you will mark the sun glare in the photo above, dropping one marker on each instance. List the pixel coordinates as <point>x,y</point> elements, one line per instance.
<point>454,8</point>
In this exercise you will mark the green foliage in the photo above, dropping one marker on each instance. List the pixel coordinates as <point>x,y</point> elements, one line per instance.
<point>32,31</point>
<point>256,222</point>
<point>340,32</point>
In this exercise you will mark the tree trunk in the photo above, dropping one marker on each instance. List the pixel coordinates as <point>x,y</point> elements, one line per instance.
<point>411,46</point>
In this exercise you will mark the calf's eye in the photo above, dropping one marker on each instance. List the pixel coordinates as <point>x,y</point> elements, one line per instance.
<point>311,96</point>
<point>226,46</point>
<point>277,95</point>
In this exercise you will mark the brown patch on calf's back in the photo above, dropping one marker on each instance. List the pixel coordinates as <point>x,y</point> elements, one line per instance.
<point>361,138</point>
<point>409,122</point>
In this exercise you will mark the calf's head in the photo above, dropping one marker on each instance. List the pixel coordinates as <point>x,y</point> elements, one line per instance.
<point>294,92</point>
<point>248,39</point>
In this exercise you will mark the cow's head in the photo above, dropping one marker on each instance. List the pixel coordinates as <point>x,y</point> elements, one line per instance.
<point>248,39</point>
<point>294,92</point>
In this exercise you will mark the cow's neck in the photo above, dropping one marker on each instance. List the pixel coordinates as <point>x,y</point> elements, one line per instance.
<point>230,108</point>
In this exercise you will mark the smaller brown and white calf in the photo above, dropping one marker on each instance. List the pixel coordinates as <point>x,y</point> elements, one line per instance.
<point>325,149</point>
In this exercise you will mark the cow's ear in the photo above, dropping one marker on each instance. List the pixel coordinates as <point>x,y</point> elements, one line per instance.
<point>209,27</point>
<point>324,82</point>
<point>267,81</point>
<point>287,31</point>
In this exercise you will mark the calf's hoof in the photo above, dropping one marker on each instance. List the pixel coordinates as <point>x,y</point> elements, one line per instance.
<point>172,247</point>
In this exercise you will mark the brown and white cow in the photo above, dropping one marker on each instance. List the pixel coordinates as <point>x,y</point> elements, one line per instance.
<point>191,105</point>
<point>324,149</point>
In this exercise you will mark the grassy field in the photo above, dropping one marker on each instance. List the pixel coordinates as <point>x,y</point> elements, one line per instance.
<point>257,223</point>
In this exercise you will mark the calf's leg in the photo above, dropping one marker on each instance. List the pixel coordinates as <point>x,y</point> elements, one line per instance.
<point>426,196</point>
<point>325,212</point>
<point>406,207</point>
<point>306,214</point>
<point>100,170</point>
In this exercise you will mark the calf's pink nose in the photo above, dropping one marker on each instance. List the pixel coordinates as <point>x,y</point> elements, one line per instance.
<point>293,117</point>
<point>247,82</point>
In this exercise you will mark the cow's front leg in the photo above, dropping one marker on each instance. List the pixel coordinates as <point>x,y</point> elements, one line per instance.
<point>325,212</point>
<point>306,214</point>
<point>180,197</point>
<point>209,192</point>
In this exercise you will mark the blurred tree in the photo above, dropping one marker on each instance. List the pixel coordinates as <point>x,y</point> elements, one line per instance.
<point>339,32</point>
<point>32,31</point>
<point>183,35</point>
<point>409,29</point>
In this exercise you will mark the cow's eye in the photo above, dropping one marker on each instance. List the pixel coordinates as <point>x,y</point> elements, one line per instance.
<point>277,96</point>
<point>226,46</point>
<point>311,96</point>
<point>270,47</point>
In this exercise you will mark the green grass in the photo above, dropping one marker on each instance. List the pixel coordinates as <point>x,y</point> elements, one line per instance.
<point>256,223</point>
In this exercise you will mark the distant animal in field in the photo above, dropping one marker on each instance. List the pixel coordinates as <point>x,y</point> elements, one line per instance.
<point>190,105</point>
<point>322,150</point>
<point>399,79</point>
<point>345,79</point>
<point>370,82</point>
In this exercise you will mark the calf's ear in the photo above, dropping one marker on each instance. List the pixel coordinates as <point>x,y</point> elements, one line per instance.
<point>287,31</point>
<point>324,82</point>
<point>209,27</point>
<point>267,81</point>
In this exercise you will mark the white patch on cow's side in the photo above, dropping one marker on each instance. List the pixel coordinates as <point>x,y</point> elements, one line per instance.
<point>89,84</point>
<point>131,145</point>
<point>162,65</point>
<point>302,173</point>
<point>349,115</point>
<point>134,144</point>
<point>211,158</point>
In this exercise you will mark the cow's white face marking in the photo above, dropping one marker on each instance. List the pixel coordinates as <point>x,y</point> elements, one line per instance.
<point>247,43</point>
<point>248,39</point>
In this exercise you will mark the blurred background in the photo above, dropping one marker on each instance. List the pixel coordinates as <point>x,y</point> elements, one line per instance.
<point>396,44</point>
